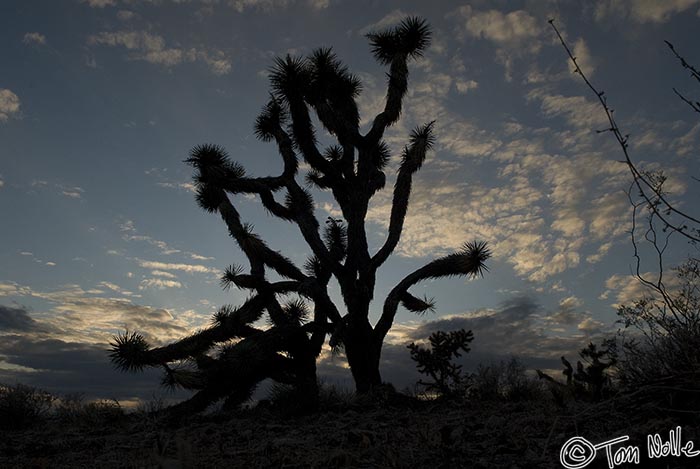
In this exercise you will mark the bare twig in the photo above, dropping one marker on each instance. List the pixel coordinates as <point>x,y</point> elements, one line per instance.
<point>649,187</point>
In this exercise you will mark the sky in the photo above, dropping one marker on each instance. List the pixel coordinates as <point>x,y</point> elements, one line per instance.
<point>101,101</point>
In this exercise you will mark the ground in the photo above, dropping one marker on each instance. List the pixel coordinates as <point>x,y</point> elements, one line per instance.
<point>380,432</point>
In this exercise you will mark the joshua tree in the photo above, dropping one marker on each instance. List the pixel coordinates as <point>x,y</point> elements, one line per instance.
<point>353,171</point>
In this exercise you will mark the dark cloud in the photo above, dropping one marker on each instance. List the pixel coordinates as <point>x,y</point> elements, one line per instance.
<point>35,352</point>
<point>518,328</point>
<point>71,367</point>
<point>17,319</point>
<point>65,353</point>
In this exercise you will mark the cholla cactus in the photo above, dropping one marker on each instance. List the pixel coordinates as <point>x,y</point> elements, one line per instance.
<point>591,379</point>
<point>436,361</point>
<point>353,171</point>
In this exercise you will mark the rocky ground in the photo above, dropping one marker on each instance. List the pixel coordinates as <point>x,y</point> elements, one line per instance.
<point>392,432</point>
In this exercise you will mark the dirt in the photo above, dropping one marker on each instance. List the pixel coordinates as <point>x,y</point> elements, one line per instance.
<point>403,434</point>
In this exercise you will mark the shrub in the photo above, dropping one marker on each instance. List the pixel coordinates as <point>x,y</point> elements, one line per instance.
<point>661,338</point>
<point>504,381</point>
<point>436,361</point>
<point>22,406</point>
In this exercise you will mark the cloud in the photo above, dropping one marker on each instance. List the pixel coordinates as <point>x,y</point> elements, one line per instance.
<point>65,348</point>
<point>125,15</point>
<point>590,326</point>
<point>161,273</point>
<point>187,186</point>
<point>159,284</point>
<point>641,11</point>
<point>391,19</point>
<point>319,4</point>
<point>115,288</point>
<point>583,58</point>
<point>578,111</point>
<point>34,38</point>
<point>568,312</point>
<point>67,367</point>
<point>9,104</point>
<point>519,327</point>
<point>265,5</point>
<point>189,268</point>
<point>541,215</point>
<point>515,34</point>
<point>513,28</point>
<point>463,86</point>
<point>687,144</point>
<point>16,319</point>
<point>72,192</point>
<point>100,3</point>
<point>626,289</point>
<point>198,257</point>
<point>152,48</point>
<point>129,234</point>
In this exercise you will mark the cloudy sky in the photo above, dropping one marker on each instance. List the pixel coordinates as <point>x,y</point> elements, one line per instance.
<point>101,100</point>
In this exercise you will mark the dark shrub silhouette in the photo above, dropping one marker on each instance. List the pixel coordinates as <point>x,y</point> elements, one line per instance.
<point>436,361</point>
<point>591,380</point>
<point>22,406</point>
<point>353,171</point>
<point>661,337</point>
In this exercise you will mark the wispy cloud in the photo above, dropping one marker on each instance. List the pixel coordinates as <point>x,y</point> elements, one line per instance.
<point>34,38</point>
<point>152,48</point>
<point>100,3</point>
<point>9,104</point>
<point>641,11</point>
<point>391,19</point>
<point>72,192</point>
<point>129,233</point>
<point>159,283</point>
<point>515,34</point>
<point>189,268</point>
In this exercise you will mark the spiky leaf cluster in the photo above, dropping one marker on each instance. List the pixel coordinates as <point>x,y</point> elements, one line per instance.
<point>127,351</point>
<point>408,39</point>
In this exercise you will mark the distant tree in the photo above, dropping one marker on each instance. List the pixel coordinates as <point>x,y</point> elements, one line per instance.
<point>436,361</point>
<point>353,171</point>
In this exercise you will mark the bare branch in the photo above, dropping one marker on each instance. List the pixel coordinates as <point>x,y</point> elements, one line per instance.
<point>656,201</point>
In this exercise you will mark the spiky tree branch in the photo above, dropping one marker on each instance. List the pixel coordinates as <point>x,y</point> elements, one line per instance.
<point>470,261</point>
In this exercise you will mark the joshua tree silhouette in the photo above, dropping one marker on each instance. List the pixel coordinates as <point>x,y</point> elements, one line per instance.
<point>353,171</point>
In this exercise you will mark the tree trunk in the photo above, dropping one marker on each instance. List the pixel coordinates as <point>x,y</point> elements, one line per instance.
<point>363,354</point>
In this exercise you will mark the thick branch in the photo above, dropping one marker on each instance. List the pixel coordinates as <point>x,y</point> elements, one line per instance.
<point>469,261</point>
<point>131,352</point>
<point>258,253</point>
<point>421,141</point>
